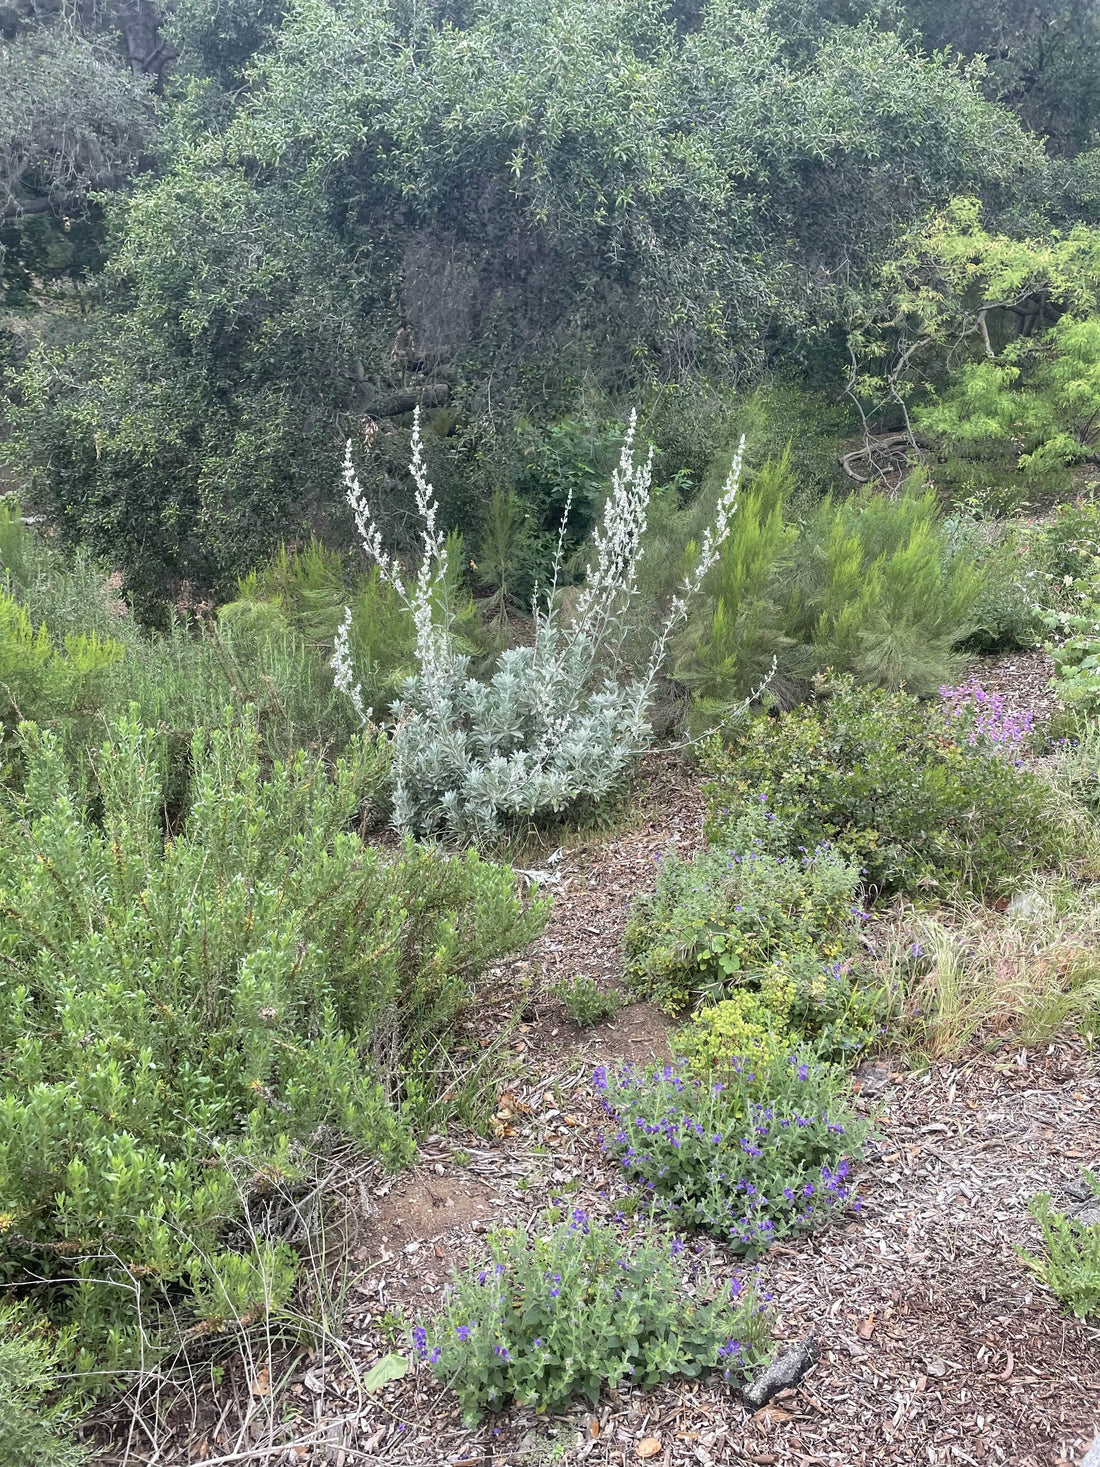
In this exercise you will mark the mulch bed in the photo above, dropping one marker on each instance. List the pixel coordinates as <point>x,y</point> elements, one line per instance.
<point>937,1343</point>
<point>1022,679</point>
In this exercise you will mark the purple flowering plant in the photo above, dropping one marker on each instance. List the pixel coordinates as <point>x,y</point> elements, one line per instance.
<point>567,1306</point>
<point>748,1163</point>
<point>983,719</point>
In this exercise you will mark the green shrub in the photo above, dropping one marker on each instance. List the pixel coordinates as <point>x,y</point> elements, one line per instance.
<point>182,1017</point>
<point>308,586</point>
<point>1015,582</point>
<point>879,596</point>
<point>1076,646</point>
<point>510,557</point>
<point>883,778</point>
<point>33,1433</point>
<point>585,1001</point>
<point>1072,547</point>
<point>727,649</point>
<point>39,680</point>
<point>305,593</point>
<point>750,1028</point>
<point>750,1157</point>
<point>724,919</point>
<point>984,480</point>
<point>1038,405</point>
<point>1070,1262</point>
<point>1071,542</point>
<point>179,679</point>
<point>871,585</point>
<point>559,1309</point>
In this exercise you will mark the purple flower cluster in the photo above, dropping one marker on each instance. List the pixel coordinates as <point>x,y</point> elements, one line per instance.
<point>747,1170</point>
<point>986,715</point>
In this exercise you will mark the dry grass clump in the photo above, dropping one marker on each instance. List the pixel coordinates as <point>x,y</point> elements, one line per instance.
<point>974,973</point>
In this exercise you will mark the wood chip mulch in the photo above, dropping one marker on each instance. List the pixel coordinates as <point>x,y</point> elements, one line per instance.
<point>599,878</point>
<point>1022,679</point>
<point>938,1344</point>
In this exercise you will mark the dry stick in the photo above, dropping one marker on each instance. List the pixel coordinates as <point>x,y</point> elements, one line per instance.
<point>251,1454</point>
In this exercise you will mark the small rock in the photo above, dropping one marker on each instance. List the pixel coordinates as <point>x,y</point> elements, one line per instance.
<point>873,1077</point>
<point>1092,1456</point>
<point>1078,1189</point>
<point>787,1371</point>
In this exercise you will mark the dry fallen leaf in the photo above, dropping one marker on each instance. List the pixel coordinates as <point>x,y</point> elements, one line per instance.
<point>649,1446</point>
<point>768,1415</point>
<point>261,1386</point>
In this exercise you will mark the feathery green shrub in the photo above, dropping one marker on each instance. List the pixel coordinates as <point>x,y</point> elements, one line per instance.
<point>185,1016</point>
<point>179,679</point>
<point>33,1432</point>
<point>878,595</point>
<point>41,680</point>
<point>1036,407</point>
<point>869,585</point>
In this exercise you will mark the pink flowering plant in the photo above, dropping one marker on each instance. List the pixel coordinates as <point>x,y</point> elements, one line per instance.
<point>748,1162</point>
<point>569,1305</point>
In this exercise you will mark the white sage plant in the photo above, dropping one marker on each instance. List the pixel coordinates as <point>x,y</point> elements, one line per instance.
<point>558,720</point>
<point>343,671</point>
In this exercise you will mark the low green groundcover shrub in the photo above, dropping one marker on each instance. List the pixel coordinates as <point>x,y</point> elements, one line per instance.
<point>744,910</point>
<point>33,1432</point>
<point>1070,1261</point>
<point>184,1017</point>
<point>567,1307</point>
<point>884,779</point>
<point>585,1001</point>
<point>747,1157</point>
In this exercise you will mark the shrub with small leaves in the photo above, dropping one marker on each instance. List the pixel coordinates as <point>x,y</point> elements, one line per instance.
<point>1070,1261</point>
<point>33,1431</point>
<point>183,1017</point>
<point>748,1026</point>
<point>750,1157</point>
<point>720,921</point>
<point>585,1001</point>
<point>894,787</point>
<point>565,1307</point>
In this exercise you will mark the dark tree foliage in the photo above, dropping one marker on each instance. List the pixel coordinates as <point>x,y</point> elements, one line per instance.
<point>1043,58</point>
<point>475,208</point>
<point>77,87</point>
